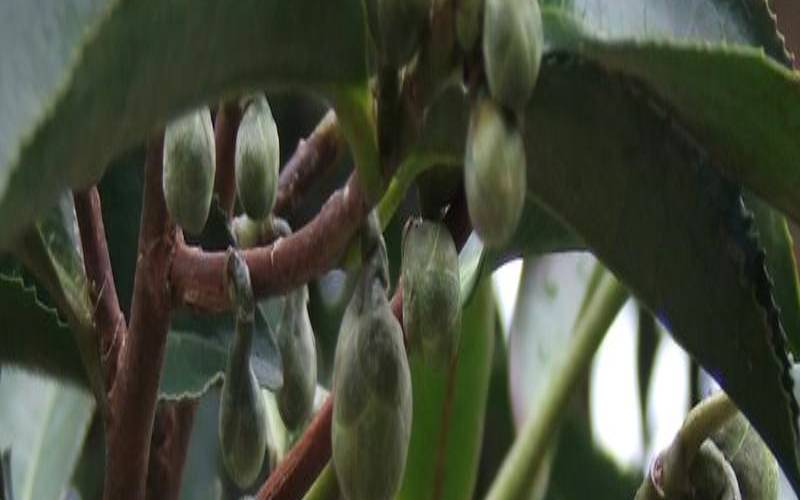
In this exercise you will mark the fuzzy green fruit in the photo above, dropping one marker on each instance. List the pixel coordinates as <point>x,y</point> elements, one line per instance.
<point>189,165</point>
<point>396,27</point>
<point>256,159</point>
<point>431,291</point>
<point>243,425</point>
<point>512,49</point>
<point>372,387</point>
<point>494,173</point>
<point>299,355</point>
<point>468,23</point>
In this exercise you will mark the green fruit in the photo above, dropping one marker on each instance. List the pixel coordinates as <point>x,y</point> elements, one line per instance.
<point>396,27</point>
<point>512,49</point>
<point>189,165</point>
<point>468,22</point>
<point>299,355</point>
<point>243,426</point>
<point>431,291</point>
<point>372,387</point>
<point>256,159</point>
<point>494,173</point>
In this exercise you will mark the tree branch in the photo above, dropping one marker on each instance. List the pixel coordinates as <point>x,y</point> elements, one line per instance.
<point>312,158</point>
<point>226,125</point>
<point>197,276</point>
<point>108,317</point>
<point>171,432</point>
<point>135,388</point>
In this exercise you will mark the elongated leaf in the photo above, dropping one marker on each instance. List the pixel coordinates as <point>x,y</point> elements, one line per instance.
<point>33,337</point>
<point>656,213</point>
<point>44,423</point>
<point>447,424</point>
<point>84,79</point>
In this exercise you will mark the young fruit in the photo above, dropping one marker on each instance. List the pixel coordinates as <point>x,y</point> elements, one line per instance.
<point>372,387</point>
<point>189,165</point>
<point>431,291</point>
<point>299,355</point>
<point>494,173</point>
<point>512,49</point>
<point>243,429</point>
<point>396,27</point>
<point>256,159</point>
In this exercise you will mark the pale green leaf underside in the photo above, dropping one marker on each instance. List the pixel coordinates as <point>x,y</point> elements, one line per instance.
<point>81,80</point>
<point>45,427</point>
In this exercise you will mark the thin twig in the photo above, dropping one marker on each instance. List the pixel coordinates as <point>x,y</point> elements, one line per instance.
<point>226,125</point>
<point>197,276</point>
<point>135,389</point>
<point>314,156</point>
<point>108,317</point>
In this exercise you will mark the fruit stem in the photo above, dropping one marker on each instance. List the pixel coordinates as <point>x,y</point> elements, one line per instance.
<point>519,470</point>
<point>325,487</point>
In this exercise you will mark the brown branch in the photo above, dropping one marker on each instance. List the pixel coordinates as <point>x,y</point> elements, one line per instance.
<point>226,125</point>
<point>108,317</point>
<point>171,432</point>
<point>312,158</point>
<point>304,462</point>
<point>135,388</point>
<point>197,276</point>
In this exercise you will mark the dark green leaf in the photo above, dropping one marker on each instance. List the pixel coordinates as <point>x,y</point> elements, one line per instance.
<point>6,488</point>
<point>33,336</point>
<point>84,79</point>
<point>651,207</point>
<point>449,406</point>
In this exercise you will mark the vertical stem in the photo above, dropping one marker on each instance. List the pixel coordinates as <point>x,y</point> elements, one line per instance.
<point>171,432</point>
<point>516,476</point>
<point>326,487</point>
<point>135,389</point>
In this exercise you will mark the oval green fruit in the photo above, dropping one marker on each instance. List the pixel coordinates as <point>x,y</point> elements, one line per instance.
<point>494,173</point>
<point>256,159</point>
<point>243,425</point>
<point>299,355</point>
<point>372,386</point>
<point>431,291</point>
<point>189,166</point>
<point>512,50</point>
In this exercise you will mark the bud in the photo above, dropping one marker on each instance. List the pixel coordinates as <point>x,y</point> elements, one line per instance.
<point>431,291</point>
<point>299,355</point>
<point>189,165</point>
<point>256,159</point>
<point>512,49</point>
<point>494,173</point>
<point>372,386</point>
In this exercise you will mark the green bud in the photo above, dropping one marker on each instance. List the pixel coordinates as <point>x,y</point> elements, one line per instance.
<point>299,355</point>
<point>512,49</point>
<point>243,426</point>
<point>189,165</point>
<point>431,291</point>
<point>468,22</point>
<point>396,27</point>
<point>494,173</point>
<point>372,386</point>
<point>256,159</point>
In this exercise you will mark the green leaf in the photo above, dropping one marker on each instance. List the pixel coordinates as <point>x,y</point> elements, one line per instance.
<point>85,79</point>
<point>648,338</point>
<point>45,423</point>
<point>470,266</point>
<point>33,336</point>
<point>447,424</point>
<point>547,306</point>
<point>651,207</point>
<point>742,106</point>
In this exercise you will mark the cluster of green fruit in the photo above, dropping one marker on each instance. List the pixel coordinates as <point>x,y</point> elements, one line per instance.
<point>189,168</point>
<point>715,455</point>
